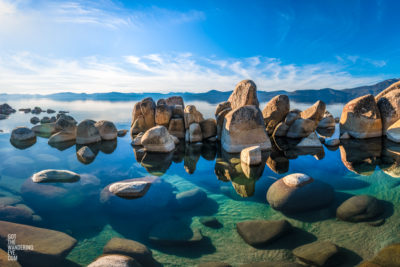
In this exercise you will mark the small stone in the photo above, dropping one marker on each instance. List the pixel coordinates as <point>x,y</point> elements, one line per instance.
<point>35,120</point>
<point>122,133</point>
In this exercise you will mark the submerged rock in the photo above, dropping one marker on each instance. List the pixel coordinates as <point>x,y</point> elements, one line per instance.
<point>5,262</point>
<point>87,133</point>
<point>245,93</point>
<point>190,199</point>
<point>275,112</point>
<point>316,253</point>
<point>174,233</point>
<point>115,260</point>
<point>130,248</point>
<point>361,118</point>
<point>49,247</point>
<point>244,127</point>
<point>210,221</point>
<point>262,232</point>
<point>298,193</point>
<point>214,264</point>
<point>55,176</point>
<point>359,208</point>
<point>388,256</point>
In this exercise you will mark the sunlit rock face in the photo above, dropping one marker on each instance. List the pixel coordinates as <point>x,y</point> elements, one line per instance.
<point>389,105</point>
<point>361,118</point>
<point>245,93</point>
<point>390,158</point>
<point>158,139</point>
<point>361,156</point>
<point>275,111</point>
<point>244,127</point>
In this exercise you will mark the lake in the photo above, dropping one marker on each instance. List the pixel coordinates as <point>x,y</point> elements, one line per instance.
<point>83,211</point>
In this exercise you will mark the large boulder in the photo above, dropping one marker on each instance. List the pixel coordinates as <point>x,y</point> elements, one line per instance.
<point>49,247</point>
<point>115,260</point>
<point>143,115</point>
<point>393,132</point>
<point>359,208</point>
<point>244,127</point>
<point>22,137</point>
<point>66,124</point>
<point>163,115</point>
<point>389,105</point>
<point>316,253</point>
<point>87,133</point>
<point>177,127</point>
<point>107,130</point>
<point>157,139</point>
<point>262,232</point>
<point>299,192</point>
<point>55,176</point>
<point>275,111</point>
<point>208,128</point>
<point>192,115</point>
<point>361,118</point>
<point>130,248</point>
<point>301,128</point>
<point>315,112</point>
<point>245,93</point>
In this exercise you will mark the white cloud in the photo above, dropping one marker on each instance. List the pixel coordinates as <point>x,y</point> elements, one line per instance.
<point>28,73</point>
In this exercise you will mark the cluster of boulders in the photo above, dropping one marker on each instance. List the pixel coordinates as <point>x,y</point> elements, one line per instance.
<point>158,127</point>
<point>5,110</point>
<point>368,116</point>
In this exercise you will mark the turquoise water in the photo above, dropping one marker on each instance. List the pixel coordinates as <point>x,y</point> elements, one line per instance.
<point>79,210</point>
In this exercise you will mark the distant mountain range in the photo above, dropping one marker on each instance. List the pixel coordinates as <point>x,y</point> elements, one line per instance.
<point>328,95</point>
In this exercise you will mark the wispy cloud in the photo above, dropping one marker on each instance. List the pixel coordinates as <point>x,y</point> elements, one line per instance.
<point>28,73</point>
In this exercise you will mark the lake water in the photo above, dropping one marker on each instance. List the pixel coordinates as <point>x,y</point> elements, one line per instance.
<point>80,209</point>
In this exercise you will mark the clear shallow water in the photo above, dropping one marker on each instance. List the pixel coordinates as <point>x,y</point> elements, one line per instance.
<point>79,209</point>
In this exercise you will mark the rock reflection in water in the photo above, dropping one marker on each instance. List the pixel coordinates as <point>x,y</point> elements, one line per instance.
<point>63,145</point>
<point>277,162</point>
<point>326,132</point>
<point>390,158</point>
<point>228,167</point>
<point>361,156</point>
<point>157,163</point>
<point>107,147</point>
<point>192,156</point>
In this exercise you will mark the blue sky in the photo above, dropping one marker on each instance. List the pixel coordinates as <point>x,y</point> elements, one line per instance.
<point>163,46</point>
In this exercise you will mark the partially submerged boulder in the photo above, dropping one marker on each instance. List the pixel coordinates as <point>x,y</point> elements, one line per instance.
<point>55,176</point>
<point>87,133</point>
<point>22,137</point>
<point>251,155</point>
<point>107,130</point>
<point>388,102</point>
<point>244,127</point>
<point>130,189</point>
<point>46,129</point>
<point>157,139</point>
<point>361,118</point>
<point>85,155</point>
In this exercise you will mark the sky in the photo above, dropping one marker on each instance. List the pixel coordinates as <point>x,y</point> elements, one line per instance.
<point>170,46</point>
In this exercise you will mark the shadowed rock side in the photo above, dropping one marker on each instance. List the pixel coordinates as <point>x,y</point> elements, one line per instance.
<point>361,118</point>
<point>275,111</point>
<point>389,105</point>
